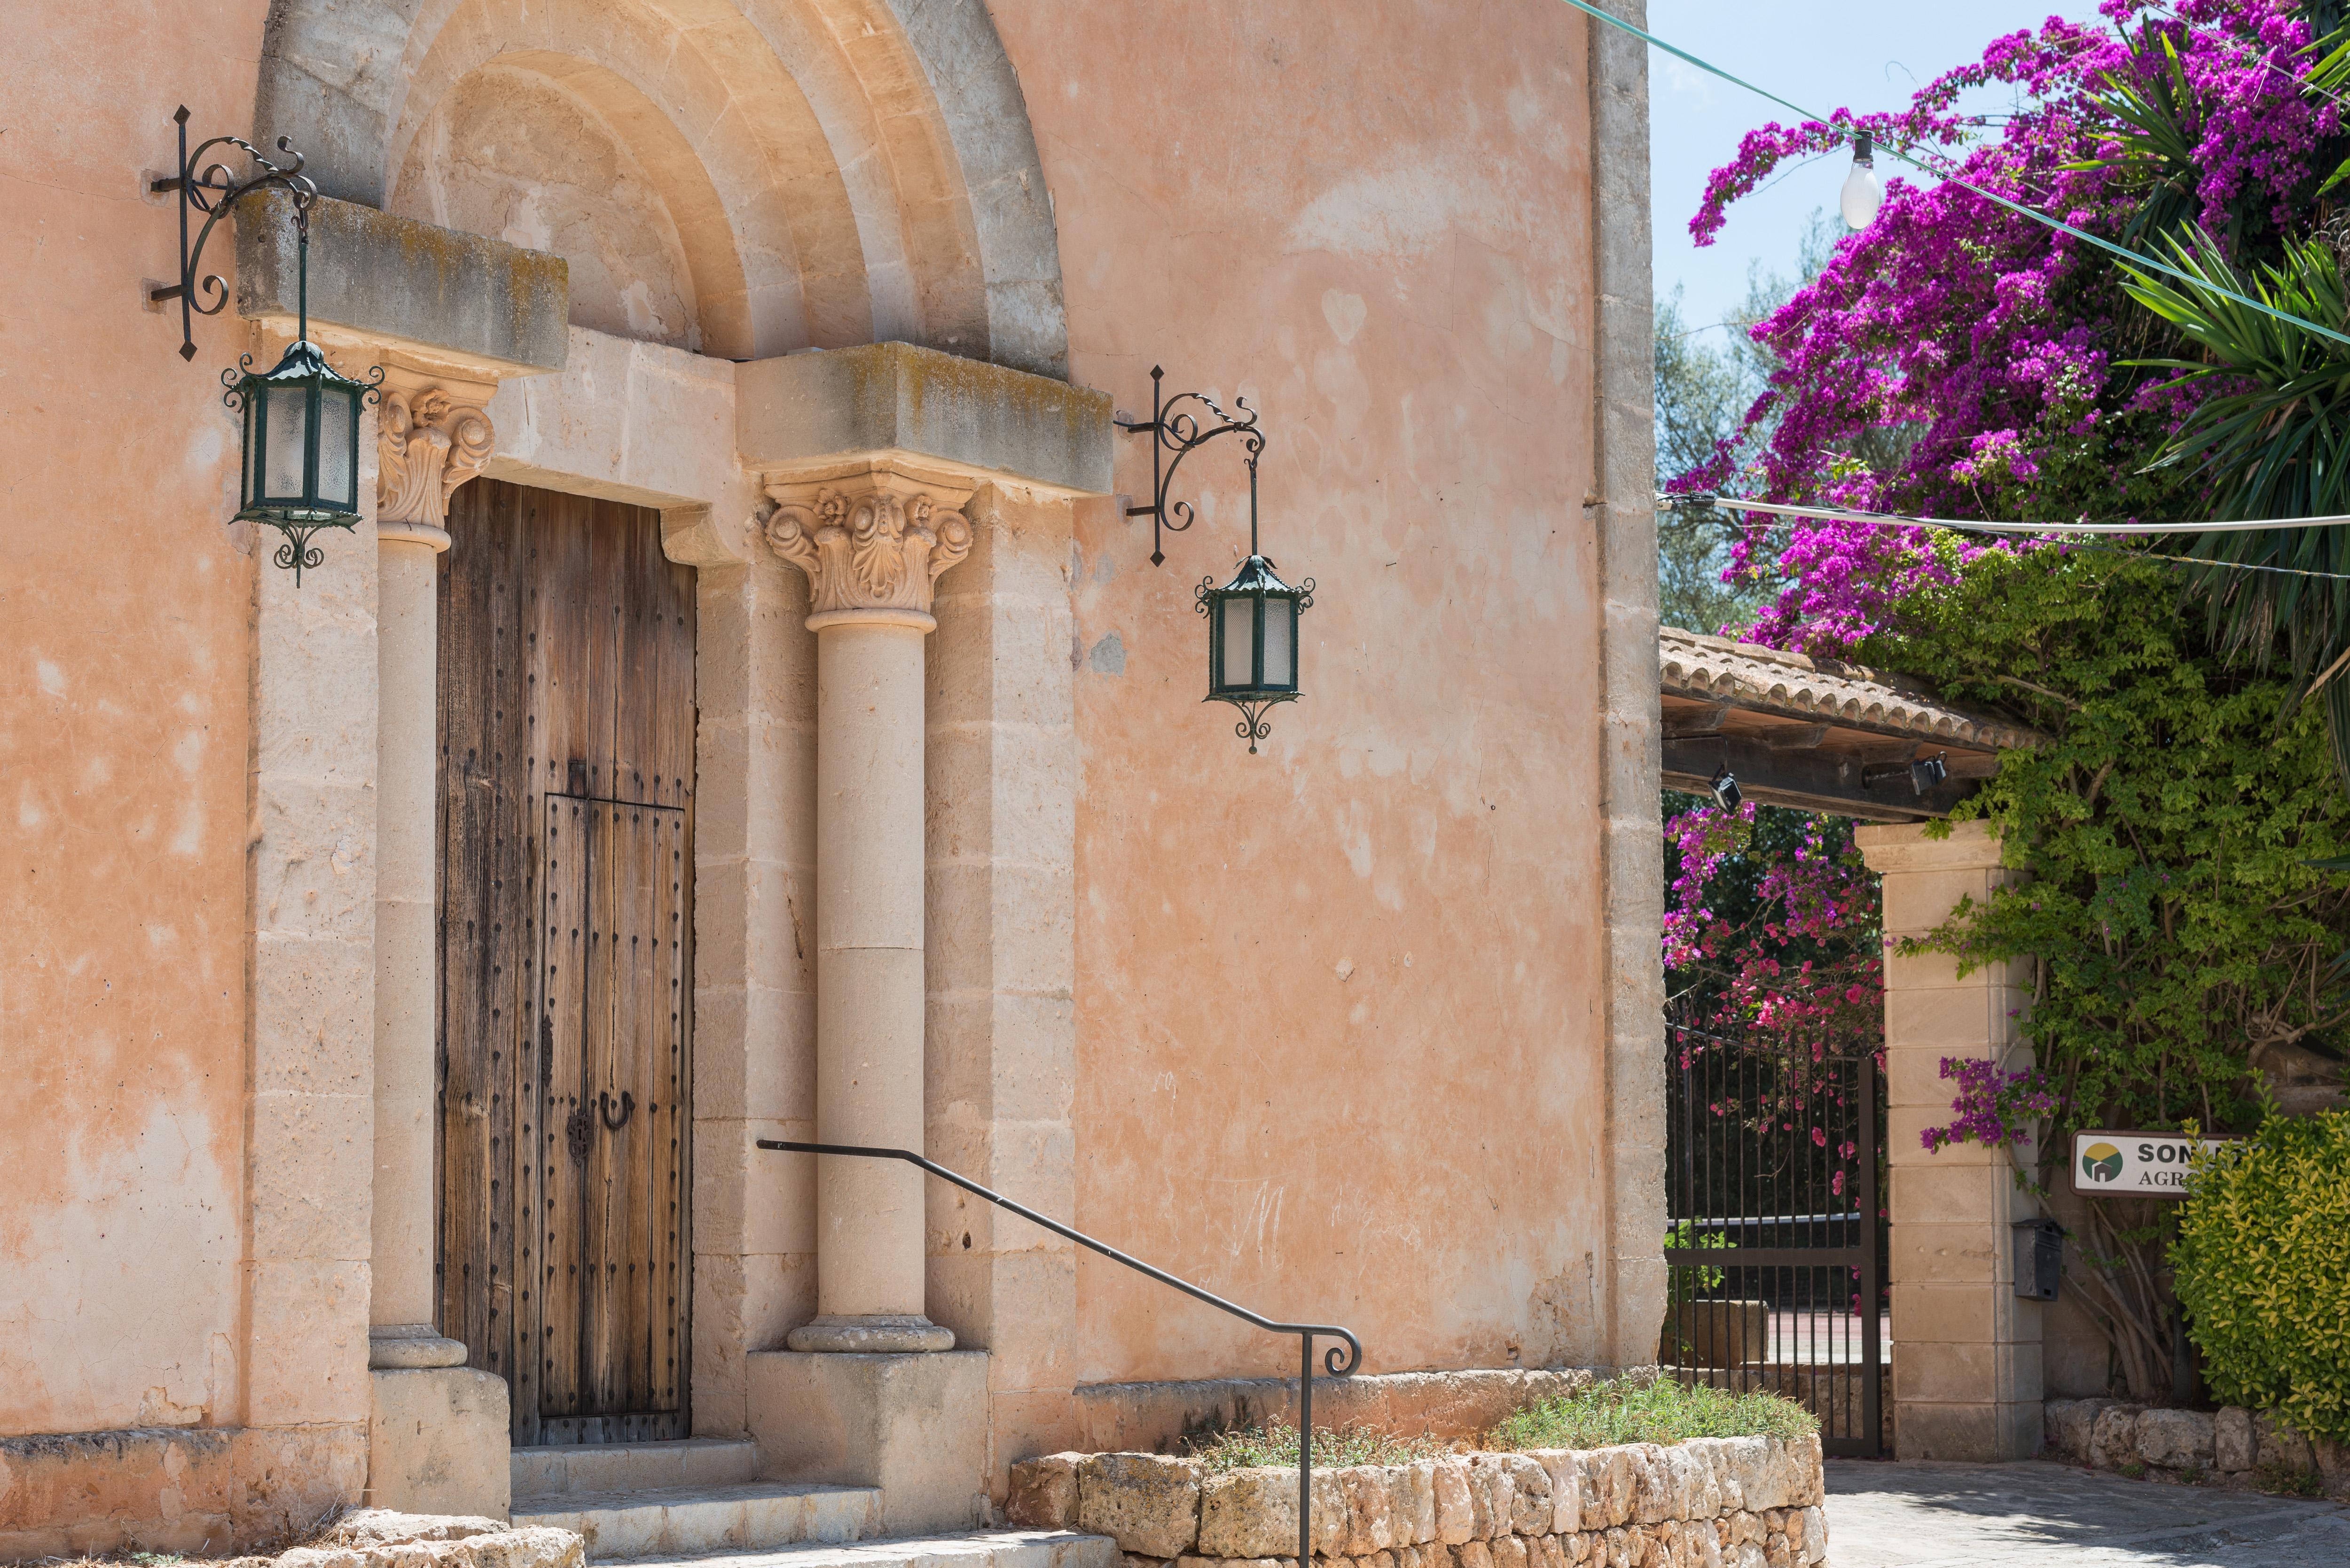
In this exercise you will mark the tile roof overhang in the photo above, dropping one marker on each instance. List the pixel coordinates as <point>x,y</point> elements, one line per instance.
<point>1816,733</point>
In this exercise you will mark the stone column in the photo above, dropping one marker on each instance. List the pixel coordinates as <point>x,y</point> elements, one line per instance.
<point>872,542</point>
<point>438,1435</point>
<point>401,1304</point>
<point>427,443</point>
<point>1966,1357</point>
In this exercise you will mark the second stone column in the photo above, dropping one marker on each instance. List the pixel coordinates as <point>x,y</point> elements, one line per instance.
<point>872,544</point>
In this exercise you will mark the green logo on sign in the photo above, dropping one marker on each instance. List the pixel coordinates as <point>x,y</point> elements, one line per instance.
<point>2101,1162</point>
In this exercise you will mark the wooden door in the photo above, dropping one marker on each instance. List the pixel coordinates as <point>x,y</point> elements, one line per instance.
<point>566,828</point>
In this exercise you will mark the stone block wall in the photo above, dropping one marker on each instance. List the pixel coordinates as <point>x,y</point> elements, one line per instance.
<point>1712,1502</point>
<point>2231,1447</point>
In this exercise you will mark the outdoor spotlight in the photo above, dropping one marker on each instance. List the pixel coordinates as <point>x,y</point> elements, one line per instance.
<point>301,418</point>
<point>1724,785</point>
<point>1863,192</point>
<point>1923,772</point>
<point>1253,620</point>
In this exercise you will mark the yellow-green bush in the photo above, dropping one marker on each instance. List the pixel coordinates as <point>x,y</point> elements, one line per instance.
<point>2262,1266</point>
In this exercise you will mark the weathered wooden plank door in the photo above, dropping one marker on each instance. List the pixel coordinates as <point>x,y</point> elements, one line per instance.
<point>567,820</point>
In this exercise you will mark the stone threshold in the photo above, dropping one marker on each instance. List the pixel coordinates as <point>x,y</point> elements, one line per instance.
<point>380,1538</point>
<point>1742,1502</point>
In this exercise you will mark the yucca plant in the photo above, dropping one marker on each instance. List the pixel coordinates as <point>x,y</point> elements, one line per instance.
<point>2271,437</point>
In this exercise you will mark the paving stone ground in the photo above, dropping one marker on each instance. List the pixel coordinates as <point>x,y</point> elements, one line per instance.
<point>2042,1515</point>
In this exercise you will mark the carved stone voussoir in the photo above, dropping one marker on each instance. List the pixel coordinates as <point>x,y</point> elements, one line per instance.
<point>874,541</point>
<point>427,443</point>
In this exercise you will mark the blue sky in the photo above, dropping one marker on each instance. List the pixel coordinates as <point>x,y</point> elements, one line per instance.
<point>1823,55</point>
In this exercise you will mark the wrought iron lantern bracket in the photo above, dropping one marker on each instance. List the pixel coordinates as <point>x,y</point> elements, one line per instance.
<point>1176,433</point>
<point>210,191</point>
<point>1253,647</point>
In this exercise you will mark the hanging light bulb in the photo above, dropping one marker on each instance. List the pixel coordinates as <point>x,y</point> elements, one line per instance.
<point>1864,193</point>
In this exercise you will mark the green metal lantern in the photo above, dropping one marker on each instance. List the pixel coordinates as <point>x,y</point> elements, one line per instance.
<point>301,448</point>
<point>301,418</point>
<point>1253,642</point>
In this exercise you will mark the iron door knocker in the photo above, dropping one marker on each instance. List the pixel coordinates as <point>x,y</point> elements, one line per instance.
<point>604,1110</point>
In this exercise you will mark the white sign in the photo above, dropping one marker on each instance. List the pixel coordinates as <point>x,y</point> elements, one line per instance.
<point>2136,1164</point>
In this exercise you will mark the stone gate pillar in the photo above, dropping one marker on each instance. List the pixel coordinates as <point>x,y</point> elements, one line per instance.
<point>1966,1363</point>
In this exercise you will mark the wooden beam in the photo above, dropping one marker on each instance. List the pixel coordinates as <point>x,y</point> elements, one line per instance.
<point>1810,780</point>
<point>1795,737</point>
<point>1705,719</point>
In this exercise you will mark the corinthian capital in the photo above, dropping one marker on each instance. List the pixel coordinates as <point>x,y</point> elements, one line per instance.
<point>428,443</point>
<point>871,540</point>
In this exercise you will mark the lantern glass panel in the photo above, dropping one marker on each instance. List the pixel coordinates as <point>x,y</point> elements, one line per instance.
<point>1280,622</point>
<point>252,447</point>
<point>337,466</point>
<point>284,413</point>
<point>1239,646</point>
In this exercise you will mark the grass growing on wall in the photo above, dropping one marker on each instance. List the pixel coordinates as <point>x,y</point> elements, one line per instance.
<point>1276,1444</point>
<point>1629,1410</point>
<point>1656,1411</point>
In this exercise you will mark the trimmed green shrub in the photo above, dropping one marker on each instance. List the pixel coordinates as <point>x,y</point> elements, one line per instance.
<point>2263,1270</point>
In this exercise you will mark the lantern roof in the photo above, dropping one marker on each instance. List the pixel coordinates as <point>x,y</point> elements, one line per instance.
<point>302,361</point>
<point>1256,576</point>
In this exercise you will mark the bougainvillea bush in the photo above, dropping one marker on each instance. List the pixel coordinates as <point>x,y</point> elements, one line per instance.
<point>2177,916</point>
<point>1773,958</point>
<point>1998,350</point>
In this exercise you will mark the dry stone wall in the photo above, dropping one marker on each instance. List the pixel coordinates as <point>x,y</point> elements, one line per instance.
<point>2232,1446</point>
<point>1711,1502</point>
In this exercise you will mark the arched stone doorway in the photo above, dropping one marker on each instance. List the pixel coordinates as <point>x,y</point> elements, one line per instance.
<point>738,177</point>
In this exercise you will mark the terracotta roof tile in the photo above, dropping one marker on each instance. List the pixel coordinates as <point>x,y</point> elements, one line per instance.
<point>1716,669</point>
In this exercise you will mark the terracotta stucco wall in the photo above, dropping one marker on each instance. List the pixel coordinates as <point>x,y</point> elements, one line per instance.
<point>124,605</point>
<point>1339,1048</point>
<point>1339,1039</point>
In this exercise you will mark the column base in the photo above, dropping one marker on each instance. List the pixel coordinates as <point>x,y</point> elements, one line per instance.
<point>438,1442</point>
<point>408,1346</point>
<point>914,1425</point>
<point>876,1335</point>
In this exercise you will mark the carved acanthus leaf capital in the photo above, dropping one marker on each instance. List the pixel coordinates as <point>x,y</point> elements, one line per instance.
<point>869,542</point>
<point>428,443</point>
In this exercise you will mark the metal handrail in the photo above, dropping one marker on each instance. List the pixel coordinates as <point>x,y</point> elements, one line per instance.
<point>1338,1366</point>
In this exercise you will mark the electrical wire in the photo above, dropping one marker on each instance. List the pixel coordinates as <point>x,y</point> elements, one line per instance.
<point>1701,500</point>
<point>2128,255</point>
<point>2072,533</point>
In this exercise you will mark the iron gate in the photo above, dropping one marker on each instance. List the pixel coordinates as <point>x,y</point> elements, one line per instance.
<point>1777,1250</point>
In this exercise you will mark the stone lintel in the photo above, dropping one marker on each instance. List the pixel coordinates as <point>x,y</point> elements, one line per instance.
<point>933,410</point>
<point>452,303</point>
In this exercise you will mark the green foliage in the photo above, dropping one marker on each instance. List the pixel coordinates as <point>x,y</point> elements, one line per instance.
<point>1276,1443</point>
<point>1662,1411</point>
<point>2263,1272</point>
<point>1687,1283</point>
<point>2168,829</point>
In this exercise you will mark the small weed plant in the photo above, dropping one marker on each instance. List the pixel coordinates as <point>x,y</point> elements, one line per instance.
<point>2279,1479</point>
<point>1658,1410</point>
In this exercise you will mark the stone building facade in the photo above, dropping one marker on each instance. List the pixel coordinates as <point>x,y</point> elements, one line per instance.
<point>746,709</point>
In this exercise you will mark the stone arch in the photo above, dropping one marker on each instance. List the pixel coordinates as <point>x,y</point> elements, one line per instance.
<point>862,170</point>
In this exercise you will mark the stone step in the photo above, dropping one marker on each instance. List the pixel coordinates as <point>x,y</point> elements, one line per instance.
<point>633,1467</point>
<point>985,1549</point>
<point>696,1521</point>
